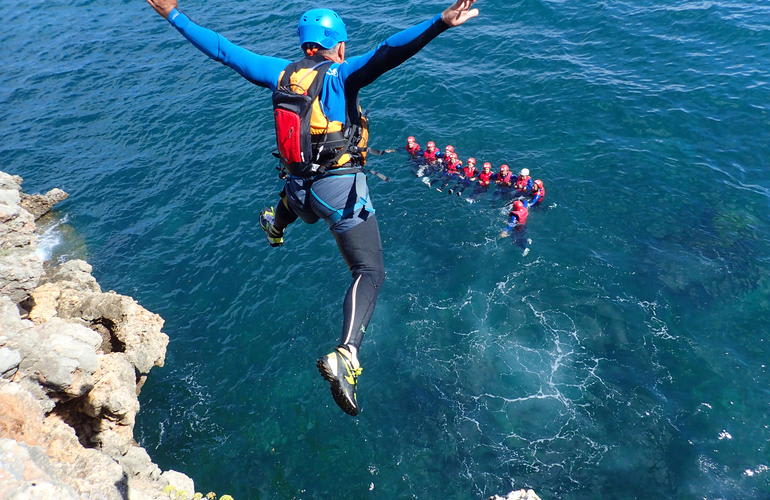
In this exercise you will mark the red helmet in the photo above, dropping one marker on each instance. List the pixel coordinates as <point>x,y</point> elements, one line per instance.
<point>431,144</point>
<point>410,138</point>
<point>539,183</point>
<point>504,167</point>
<point>487,164</point>
<point>450,148</point>
<point>518,205</point>
<point>472,160</point>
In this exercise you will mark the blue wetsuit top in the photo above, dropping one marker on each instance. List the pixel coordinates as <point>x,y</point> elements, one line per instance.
<point>534,201</point>
<point>513,221</point>
<point>342,81</point>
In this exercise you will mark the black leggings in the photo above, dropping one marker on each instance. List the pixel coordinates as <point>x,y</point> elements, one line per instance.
<point>361,248</point>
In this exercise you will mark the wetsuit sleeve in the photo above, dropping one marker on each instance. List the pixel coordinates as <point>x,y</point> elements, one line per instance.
<point>258,69</point>
<point>534,201</point>
<point>362,70</point>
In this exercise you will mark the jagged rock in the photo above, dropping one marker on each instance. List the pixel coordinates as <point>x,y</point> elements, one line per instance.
<point>133,329</point>
<point>181,483</point>
<point>45,299</point>
<point>9,362</point>
<point>40,204</point>
<point>66,365</point>
<point>10,321</point>
<point>20,266</point>
<point>26,473</point>
<point>90,472</point>
<point>74,274</point>
<point>19,273</point>
<point>113,404</point>
<point>113,395</point>
<point>138,464</point>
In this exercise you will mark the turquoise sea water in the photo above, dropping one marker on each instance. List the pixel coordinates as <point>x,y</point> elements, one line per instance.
<point>625,357</point>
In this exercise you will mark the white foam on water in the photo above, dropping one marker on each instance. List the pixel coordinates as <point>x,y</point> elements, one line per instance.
<point>50,239</point>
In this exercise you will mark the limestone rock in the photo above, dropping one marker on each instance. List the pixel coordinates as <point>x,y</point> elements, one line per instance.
<point>20,266</point>
<point>113,405</point>
<point>74,274</point>
<point>113,395</point>
<point>67,363</point>
<point>40,204</point>
<point>138,464</point>
<point>20,270</point>
<point>10,321</point>
<point>9,362</point>
<point>45,300</point>
<point>133,329</point>
<point>180,482</point>
<point>27,473</point>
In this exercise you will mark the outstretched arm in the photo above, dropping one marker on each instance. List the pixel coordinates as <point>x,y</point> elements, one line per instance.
<point>258,69</point>
<point>360,71</point>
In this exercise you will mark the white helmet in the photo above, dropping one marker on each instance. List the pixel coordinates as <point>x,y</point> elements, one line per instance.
<point>524,172</point>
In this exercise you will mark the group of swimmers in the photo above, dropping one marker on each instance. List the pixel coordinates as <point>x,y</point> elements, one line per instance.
<point>447,166</point>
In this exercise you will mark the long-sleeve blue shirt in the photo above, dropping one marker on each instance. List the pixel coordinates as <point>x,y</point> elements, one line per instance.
<point>342,81</point>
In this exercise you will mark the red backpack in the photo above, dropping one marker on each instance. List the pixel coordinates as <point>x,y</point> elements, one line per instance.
<point>292,112</point>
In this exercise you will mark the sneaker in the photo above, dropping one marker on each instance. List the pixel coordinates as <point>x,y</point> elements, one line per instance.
<point>266,220</point>
<point>341,370</point>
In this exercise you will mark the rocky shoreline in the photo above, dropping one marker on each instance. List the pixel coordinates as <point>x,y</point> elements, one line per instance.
<point>73,359</point>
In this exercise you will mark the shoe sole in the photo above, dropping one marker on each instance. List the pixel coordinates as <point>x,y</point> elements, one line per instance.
<point>334,384</point>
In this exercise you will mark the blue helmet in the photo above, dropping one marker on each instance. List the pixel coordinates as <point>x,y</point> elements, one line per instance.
<point>321,26</point>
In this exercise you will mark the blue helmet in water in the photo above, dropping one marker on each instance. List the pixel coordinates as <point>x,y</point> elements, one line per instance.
<point>321,26</point>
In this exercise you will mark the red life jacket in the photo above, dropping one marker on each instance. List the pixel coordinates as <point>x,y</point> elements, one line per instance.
<point>469,171</point>
<point>521,214</point>
<point>521,182</point>
<point>430,156</point>
<point>504,179</point>
<point>451,168</point>
<point>413,150</point>
<point>485,178</point>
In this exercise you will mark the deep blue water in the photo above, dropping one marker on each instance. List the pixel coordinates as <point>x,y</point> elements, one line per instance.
<point>624,357</point>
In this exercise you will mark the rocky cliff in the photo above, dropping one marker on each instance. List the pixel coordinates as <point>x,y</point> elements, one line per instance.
<point>73,359</point>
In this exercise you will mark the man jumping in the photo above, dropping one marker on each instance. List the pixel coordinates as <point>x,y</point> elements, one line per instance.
<point>325,178</point>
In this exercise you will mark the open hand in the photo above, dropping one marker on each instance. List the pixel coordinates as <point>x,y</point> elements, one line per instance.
<point>457,13</point>
<point>163,7</point>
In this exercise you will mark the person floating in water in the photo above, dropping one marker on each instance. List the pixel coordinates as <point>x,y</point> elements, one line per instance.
<point>467,176</point>
<point>330,185</point>
<point>504,176</point>
<point>431,154</point>
<point>451,170</point>
<point>449,153</point>
<point>517,223</point>
<point>412,147</point>
<point>523,181</point>
<point>486,174</point>
<point>538,193</point>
